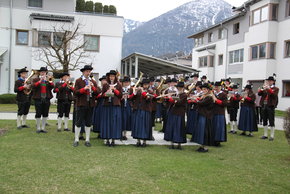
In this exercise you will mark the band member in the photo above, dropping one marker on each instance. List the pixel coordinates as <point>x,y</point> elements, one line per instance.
<point>192,109</point>
<point>141,117</point>
<point>152,89</point>
<point>98,110</point>
<point>126,107</point>
<point>85,93</point>
<point>194,77</point>
<point>204,79</point>
<point>23,98</point>
<point>247,120</point>
<point>111,125</point>
<point>64,94</point>
<point>164,104</point>
<point>175,128</point>
<point>219,119</point>
<point>259,115</point>
<point>158,115</point>
<point>204,134</point>
<point>269,101</point>
<point>233,107</point>
<point>227,85</point>
<point>42,94</point>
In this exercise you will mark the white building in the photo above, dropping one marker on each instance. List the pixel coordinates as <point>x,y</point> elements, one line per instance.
<point>250,46</point>
<point>26,25</point>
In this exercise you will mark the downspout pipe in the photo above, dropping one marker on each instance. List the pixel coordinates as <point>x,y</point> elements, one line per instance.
<point>10,48</point>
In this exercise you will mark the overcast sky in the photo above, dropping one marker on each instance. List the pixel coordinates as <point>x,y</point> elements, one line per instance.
<point>144,10</point>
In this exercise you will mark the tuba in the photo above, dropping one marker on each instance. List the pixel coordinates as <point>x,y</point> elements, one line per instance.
<point>28,90</point>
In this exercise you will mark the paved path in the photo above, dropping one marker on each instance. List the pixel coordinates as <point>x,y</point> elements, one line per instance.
<point>53,116</point>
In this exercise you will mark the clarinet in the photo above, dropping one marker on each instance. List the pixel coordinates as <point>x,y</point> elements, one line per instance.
<point>110,98</point>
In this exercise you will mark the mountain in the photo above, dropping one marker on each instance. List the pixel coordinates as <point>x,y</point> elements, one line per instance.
<point>168,33</point>
<point>130,25</point>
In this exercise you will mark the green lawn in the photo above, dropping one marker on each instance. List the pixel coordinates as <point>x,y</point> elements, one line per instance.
<point>38,163</point>
<point>13,108</point>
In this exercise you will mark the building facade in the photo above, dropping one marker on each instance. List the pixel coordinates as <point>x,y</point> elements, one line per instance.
<point>248,47</point>
<point>26,26</point>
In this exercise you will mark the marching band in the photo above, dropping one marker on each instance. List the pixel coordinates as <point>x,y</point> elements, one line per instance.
<point>187,106</point>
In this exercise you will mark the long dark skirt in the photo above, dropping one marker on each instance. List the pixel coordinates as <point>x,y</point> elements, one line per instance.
<point>220,128</point>
<point>141,125</point>
<point>158,111</point>
<point>126,117</point>
<point>164,117</point>
<point>204,134</point>
<point>175,129</point>
<point>191,121</point>
<point>247,121</point>
<point>97,116</point>
<point>111,125</point>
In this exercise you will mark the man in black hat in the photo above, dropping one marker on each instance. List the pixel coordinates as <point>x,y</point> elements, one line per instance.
<point>23,98</point>
<point>85,92</point>
<point>42,94</point>
<point>126,107</point>
<point>64,92</point>
<point>204,79</point>
<point>233,107</point>
<point>269,101</point>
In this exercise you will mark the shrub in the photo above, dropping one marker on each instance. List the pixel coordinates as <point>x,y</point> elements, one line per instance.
<point>98,7</point>
<point>106,9</point>
<point>80,6</point>
<point>8,99</point>
<point>89,7</point>
<point>287,125</point>
<point>112,9</point>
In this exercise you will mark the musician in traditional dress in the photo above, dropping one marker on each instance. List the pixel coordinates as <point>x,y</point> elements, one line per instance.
<point>247,120</point>
<point>111,125</point>
<point>192,108</point>
<point>98,110</point>
<point>85,93</point>
<point>141,117</point>
<point>175,130</point>
<point>158,115</point>
<point>64,94</point>
<point>204,134</point>
<point>42,93</point>
<point>152,88</point>
<point>126,107</point>
<point>269,101</point>
<point>233,107</point>
<point>219,119</point>
<point>23,98</point>
<point>164,103</point>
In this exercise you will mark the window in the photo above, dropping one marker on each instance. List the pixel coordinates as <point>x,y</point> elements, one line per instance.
<point>203,61</point>
<point>287,48</point>
<point>236,56</point>
<point>210,37</point>
<point>221,34</point>
<point>286,88</point>
<point>236,29</point>
<point>264,13</point>
<point>91,43</point>
<point>221,59</point>
<point>274,11</point>
<point>44,38</point>
<point>198,41</point>
<point>288,8</point>
<point>58,38</point>
<point>264,50</point>
<point>22,37</point>
<point>35,3</point>
<point>256,16</point>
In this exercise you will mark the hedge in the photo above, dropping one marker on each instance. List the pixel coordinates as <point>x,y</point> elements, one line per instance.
<point>8,99</point>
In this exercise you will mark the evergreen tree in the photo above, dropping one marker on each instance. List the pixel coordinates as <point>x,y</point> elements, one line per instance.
<point>112,9</point>
<point>98,7</point>
<point>80,5</point>
<point>106,9</point>
<point>89,6</point>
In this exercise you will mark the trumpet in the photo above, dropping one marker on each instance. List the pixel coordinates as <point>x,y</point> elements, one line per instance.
<point>50,77</point>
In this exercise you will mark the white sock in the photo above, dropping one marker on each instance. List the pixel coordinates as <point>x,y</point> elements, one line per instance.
<point>24,119</point>
<point>266,131</point>
<point>272,132</point>
<point>65,120</point>
<point>38,124</point>
<point>124,133</point>
<point>88,131</point>
<point>18,121</point>
<point>232,125</point>
<point>235,125</point>
<point>44,119</point>
<point>77,133</point>
<point>59,122</point>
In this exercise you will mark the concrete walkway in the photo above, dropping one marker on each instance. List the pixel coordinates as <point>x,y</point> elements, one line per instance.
<point>53,116</point>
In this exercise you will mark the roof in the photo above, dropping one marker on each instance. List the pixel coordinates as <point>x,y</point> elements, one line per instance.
<point>51,17</point>
<point>217,25</point>
<point>158,67</point>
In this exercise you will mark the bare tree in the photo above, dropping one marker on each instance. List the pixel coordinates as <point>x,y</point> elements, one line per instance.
<point>64,50</point>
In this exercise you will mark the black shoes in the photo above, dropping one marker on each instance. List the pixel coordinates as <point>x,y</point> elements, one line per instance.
<point>244,134</point>
<point>144,145</point>
<point>271,139</point>
<point>202,150</point>
<point>179,147</point>
<point>88,144</point>
<point>231,132</point>
<point>264,137</point>
<point>107,143</point>
<point>25,126</point>
<point>76,144</point>
<point>124,138</point>
<point>250,135</point>
<point>113,144</point>
<point>41,131</point>
<point>58,130</point>
<point>138,144</point>
<point>66,129</point>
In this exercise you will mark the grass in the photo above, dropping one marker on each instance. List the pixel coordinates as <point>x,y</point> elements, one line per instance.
<point>39,163</point>
<point>280,113</point>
